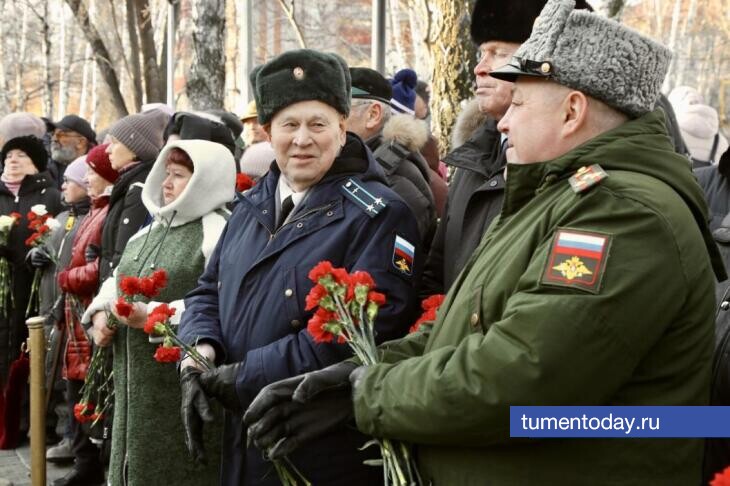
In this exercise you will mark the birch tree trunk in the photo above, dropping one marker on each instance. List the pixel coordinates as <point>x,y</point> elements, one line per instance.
<point>154,82</point>
<point>4,95</point>
<point>453,55</point>
<point>47,75</point>
<point>20,62</point>
<point>686,52</point>
<point>396,33</point>
<point>101,54</point>
<point>134,57</point>
<point>63,66</point>
<point>206,77</point>
<point>672,44</point>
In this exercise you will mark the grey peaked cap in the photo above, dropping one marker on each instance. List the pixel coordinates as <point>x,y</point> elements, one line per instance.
<point>592,54</point>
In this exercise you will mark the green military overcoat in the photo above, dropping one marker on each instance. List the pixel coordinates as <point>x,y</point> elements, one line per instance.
<point>598,295</point>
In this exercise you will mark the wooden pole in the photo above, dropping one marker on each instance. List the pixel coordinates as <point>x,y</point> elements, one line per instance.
<point>37,349</point>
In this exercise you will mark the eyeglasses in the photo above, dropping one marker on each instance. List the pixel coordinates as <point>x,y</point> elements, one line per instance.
<point>63,134</point>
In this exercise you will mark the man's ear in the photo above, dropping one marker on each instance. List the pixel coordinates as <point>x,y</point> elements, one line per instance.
<point>267,130</point>
<point>575,112</point>
<point>343,130</point>
<point>374,116</point>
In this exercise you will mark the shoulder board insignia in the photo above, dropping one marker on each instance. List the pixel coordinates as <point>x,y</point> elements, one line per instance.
<point>577,259</point>
<point>587,177</point>
<point>357,193</point>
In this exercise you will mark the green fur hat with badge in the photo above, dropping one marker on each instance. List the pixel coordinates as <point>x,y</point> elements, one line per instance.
<point>301,75</point>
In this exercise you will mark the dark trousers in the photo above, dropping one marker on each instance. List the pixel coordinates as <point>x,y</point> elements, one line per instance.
<point>86,454</point>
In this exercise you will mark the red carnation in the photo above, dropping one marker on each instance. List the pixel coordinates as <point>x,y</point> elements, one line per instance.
<point>376,298</point>
<point>31,239</point>
<point>341,275</point>
<point>361,278</point>
<point>43,229</point>
<point>721,478</point>
<point>316,326</point>
<point>433,302</point>
<point>147,287</point>
<point>314,296</point>
<point>159,277</point>
<point>164,310</point>
<point>31,215</point>
<point>83,411</point>
<point>124,308</point>
<point>151,322</point>
<point>320,270</point>
<point>129,285</point>
<point>16,215</point>
<point>167,354</point>
<point>243,182</point>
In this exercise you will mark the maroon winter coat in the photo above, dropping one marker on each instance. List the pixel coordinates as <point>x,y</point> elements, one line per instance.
<point>79,281</point>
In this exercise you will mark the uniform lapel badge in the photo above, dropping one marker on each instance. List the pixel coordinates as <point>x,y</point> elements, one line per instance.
<point>358,194</point>
<point>403,253</point>
<point>587,177</point>
<point>577,259</point>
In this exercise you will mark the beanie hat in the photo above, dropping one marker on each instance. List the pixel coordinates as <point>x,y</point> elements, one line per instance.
<point>300,75</point>
<point>404,91</point>
<point>76,171</point>
<point>369,84</point>
<point>76,124</point>
<point>623,68</point>
<point>33,148</point>
<point>497,20</point>
<point>19,124</point>
<point>142,133</point>
<point>699,124</point>
<point>98,159</point>
<point>257,159</point>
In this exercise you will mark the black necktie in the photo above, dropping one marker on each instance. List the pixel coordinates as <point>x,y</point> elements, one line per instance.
<point>286,206</point>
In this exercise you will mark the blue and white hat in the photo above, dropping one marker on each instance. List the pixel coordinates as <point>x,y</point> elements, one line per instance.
<point>404,91</point>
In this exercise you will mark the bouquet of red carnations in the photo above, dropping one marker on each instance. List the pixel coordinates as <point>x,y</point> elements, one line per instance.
<point>42,225</point>
<point>347,307</point>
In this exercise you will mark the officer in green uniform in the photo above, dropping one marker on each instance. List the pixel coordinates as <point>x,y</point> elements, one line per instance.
<point>593,287</point>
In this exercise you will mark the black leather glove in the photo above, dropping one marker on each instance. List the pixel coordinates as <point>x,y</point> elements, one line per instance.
<point>290,425</point>
<point>91,253</point>
<point>299,389</point>
<point>220,383</point>
<point>38,257</point>
<point>195,409</point>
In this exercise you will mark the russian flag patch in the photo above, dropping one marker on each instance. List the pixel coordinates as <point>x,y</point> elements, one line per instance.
<point>403,254</point>
<point>577,259</point>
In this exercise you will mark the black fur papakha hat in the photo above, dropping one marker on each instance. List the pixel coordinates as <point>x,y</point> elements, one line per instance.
<point>300,75</point>
<point>369,84</point>
<point>507,21</point>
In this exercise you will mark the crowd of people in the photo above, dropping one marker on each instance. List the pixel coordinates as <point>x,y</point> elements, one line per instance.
<point>580,261</point>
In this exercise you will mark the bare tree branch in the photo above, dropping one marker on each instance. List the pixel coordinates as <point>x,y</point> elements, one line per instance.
<point>289,12</point>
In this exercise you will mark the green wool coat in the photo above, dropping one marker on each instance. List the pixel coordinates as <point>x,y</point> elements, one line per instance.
<point>148,442</point>
<point>512,332</point>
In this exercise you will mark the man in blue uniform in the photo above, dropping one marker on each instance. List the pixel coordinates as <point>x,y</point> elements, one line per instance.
<point>324,198</point>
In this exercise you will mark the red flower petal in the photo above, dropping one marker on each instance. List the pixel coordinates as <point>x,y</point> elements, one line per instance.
<point>124,308</point>
<point>167,354</point>
<point>376,298</point>
<point>243,182</point>
<point>147,287</point>
<point>433,302</point>
<point>159,277</point>
<point>320,270</point>
<point>129,285</point>
<point>314,296</point>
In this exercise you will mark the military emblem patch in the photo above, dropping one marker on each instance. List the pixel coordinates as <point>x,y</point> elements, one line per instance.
<point>403,254</point>
<point>587,177</point>
<point>577,259</point>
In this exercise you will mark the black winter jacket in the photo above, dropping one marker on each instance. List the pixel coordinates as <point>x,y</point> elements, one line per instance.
<point>35,189</point>
<point>475,199</point>
<point>126,216</point>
